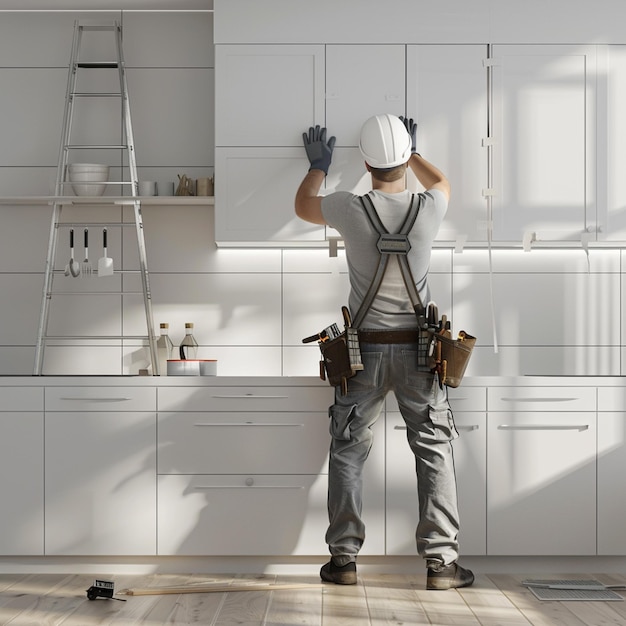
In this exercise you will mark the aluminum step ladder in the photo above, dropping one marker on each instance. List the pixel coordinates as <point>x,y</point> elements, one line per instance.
<point>126,150</point>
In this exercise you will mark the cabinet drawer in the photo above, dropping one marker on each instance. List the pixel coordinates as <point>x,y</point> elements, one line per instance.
<point>241,443</point>
<point>541,399</point>
<point>242,515</point>
<point>461,399</point>
<point>21,398</point>
<point>100,399</point>
<point>245,399</point>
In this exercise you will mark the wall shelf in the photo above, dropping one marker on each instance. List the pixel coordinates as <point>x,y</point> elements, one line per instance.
<point>108,200</point>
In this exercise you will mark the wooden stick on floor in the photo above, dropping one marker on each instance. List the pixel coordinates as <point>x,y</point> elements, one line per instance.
<point>214,589</point>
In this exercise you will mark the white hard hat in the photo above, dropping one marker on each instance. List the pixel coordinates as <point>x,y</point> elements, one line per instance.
<point>385,141</point>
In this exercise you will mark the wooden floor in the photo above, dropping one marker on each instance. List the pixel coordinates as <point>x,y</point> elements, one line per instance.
<point>378,599</point>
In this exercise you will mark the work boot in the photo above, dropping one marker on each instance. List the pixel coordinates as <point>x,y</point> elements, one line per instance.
<point>449,577</point>
<point>344,575</point>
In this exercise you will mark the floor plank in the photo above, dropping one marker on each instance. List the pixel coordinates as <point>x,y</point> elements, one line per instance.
<point>392,600</point>
<point>490,606</point>
<point>296,606</point>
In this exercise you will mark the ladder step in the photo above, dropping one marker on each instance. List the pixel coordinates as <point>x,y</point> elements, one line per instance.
<point>93,94</point>
<point>97,25</point>
<point>94,65</point>
<point>93,147</point>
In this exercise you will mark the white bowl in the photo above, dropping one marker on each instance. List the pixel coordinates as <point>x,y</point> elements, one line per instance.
<point>187,367</point>
<point>91,173</point>
<point>208,367</point>
<point>192,367</point>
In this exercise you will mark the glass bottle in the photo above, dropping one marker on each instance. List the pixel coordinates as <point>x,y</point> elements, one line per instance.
<point>189,345</point>
<point>165,348</point>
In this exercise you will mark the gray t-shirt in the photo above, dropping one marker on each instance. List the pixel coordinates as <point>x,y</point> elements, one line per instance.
<point>392,307</point>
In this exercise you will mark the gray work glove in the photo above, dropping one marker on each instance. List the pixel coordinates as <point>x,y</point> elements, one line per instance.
<point>318,150</point>
<point>411,128</point>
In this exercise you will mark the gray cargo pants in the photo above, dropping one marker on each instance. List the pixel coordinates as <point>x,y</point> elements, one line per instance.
<point>430,430</point>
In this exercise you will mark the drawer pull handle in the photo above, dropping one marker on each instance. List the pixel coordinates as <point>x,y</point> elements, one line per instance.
<point>247,424</point>
<point>539,399</point>
<point>96,399</point>
<point>207,487</point>
<point>468,427</point>
<point>250,396</point>
<point>579,427</point>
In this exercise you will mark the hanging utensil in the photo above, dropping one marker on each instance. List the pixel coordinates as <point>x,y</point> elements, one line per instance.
<point>72,268</point>
<point>67,267</point>
<point>86,268</point>
<point>105,262</point>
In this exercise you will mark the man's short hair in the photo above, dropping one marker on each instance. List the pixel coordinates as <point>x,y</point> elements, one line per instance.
<point>389,174</point>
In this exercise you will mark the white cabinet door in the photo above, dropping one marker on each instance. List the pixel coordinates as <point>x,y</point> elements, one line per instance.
<point>351,97</point>
<point>471,471</point>
<point>447,95</point>
<point>544,112</point>
<point>611,470</point>
<point>21,481</point>
<point>267,95</point>
<point>100,483</point>
<point>255,193</point>
<point>541,487</point>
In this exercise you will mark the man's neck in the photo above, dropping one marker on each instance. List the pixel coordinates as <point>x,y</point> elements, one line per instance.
<point>397,186</point>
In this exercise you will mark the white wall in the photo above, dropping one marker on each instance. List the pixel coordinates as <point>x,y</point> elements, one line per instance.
<point>554,312</point>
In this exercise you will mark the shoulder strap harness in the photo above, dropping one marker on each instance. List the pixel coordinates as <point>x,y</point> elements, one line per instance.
<point>392,244</point>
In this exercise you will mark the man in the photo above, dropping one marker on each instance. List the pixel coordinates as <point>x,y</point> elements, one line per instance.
<point>389,348</point>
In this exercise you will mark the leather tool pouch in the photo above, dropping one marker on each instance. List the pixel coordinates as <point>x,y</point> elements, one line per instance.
<point>448,357</point>
<point>451,356</point>
<point>341,353</point>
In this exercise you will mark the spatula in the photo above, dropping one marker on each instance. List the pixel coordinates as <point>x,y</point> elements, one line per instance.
<point>86,268</point>
<point>105,262</point>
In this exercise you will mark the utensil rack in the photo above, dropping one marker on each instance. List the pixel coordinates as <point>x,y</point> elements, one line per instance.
<point>126,149</point>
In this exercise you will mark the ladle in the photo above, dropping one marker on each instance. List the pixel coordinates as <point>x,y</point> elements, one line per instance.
<point>74,266</point>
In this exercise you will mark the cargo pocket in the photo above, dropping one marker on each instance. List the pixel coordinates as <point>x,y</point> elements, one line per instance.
<point>440,426</point>
<point>340,418</point>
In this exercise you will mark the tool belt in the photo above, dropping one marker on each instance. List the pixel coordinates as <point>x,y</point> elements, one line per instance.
<point>391,336</point>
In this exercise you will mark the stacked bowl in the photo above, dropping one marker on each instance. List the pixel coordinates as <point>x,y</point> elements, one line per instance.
<point>89,178</point>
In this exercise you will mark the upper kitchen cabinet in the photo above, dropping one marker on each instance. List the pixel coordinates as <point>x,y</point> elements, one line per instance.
<point>447,96</point>
<point>443,87</point>
<point>267,95</point>
<point>361,81</point>
<point>544,133</point>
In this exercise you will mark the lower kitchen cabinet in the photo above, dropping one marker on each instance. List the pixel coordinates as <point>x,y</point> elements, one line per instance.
<point>471,470</point>
<point>541,486</point>
<point>21,472</point>
<point>100,483</point>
